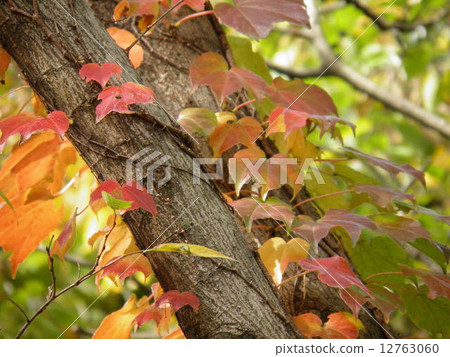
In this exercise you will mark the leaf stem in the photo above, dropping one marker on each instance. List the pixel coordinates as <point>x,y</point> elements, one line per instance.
<point>294,277</point>
<point>193,16</point>
<point>245,103</point>
<point>322,196</point>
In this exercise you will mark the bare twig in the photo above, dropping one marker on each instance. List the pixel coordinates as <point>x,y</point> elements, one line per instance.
<point>18,306</point>
<point>397,25</point>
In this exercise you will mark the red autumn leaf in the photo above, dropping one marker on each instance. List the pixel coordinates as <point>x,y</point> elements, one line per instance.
<point>211,69</point>
<point>106,186</point>
<point>99,73</point>
<point>353,299</point>
<point>401,228</point>
<point>197,5</point>
<point>385,300</point>
<point>244,131</point>
<point>177,300</point>
<point>438,284</point>
<point>387,165</point>
<point>292,120</point>
<point>150,313</point>
<point>66,239</point>
<point>130,191</point>
<point>351,222</point>
<point>124,267</point>
<point>137,194</point>
<point>254,18</point>
<point>334,272</point>
<point>27,124</point>
<point>5,60</point>
<point>383,196</point>
<point>300,96</point>
<point>250,208</point>
<point>239,167</point>
<point>124,39</point>
<point>117,99</point>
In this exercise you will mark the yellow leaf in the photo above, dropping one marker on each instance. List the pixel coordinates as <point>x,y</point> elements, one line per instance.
<point>189,249</point>
<point>275,253</point>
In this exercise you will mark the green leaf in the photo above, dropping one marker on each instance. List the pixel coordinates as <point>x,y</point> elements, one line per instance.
<point>431,315</point>
<point>376,253</point>
<point>432,250</point>
<point>8,202</point>
<point>115,203</point>
<point>189,249</point>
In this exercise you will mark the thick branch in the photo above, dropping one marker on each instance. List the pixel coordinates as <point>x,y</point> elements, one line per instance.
<point>234,305</point>
<point>332,66</point>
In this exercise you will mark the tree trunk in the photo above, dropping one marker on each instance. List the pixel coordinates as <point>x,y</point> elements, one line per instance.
<point>237,299</point>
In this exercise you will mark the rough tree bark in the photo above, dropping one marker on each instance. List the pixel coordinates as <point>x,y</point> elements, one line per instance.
<point>237,299</point>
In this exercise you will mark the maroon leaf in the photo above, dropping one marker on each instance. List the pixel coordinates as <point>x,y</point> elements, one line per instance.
<point>334,272</point>
<point>211,69</point>
<point>351,222</point>
<point>117,99</point>
<point>383,196</point>
<point>27,124</point>
<point>401,228</point>
<point>254,18</point>
<point>387,165</point>
<point>99,73</point>
<point>251,208</point>
<point>353,299</point>
<point>177,300</point>
<point>438,284</point>
<point>300,96</point>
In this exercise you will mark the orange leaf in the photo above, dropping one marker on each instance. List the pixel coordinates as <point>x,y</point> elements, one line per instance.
<point>22,231</point>
<point>5,60</point>
<point>309,324</point>
<point>124,39</point>
<point>118,325</point>
<point>244,131</point>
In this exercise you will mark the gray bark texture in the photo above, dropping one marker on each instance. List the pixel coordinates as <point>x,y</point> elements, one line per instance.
<point>237,298</point>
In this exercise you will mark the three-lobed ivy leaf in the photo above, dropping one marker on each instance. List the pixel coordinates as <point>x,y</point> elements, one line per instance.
<point>316,231</point>
<point>177,300</point>
<point>100,73</point>
<point>254,18</point>
<point>438,284</point>
<point>226,135</point>
<point>383,196</point>
<point>118,98</point>
<point>402,229</point>
<point>250,208</point>
<point>212,70</point>
<point>334,272</point>
<point>129,196</point>
<point>198,120</point>
<point>387,165</point>
<point>276,253</point>
<point>27,124</point>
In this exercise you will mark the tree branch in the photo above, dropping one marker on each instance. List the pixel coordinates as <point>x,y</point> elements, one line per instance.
<point>397,25</point>
<point>332,66</point>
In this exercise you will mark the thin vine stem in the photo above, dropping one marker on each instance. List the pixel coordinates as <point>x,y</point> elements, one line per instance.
<point>322,196</point>
<point>193,16</point>
<point>293,277</point>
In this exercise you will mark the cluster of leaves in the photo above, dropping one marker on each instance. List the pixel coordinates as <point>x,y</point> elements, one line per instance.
<point>376,224</point>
